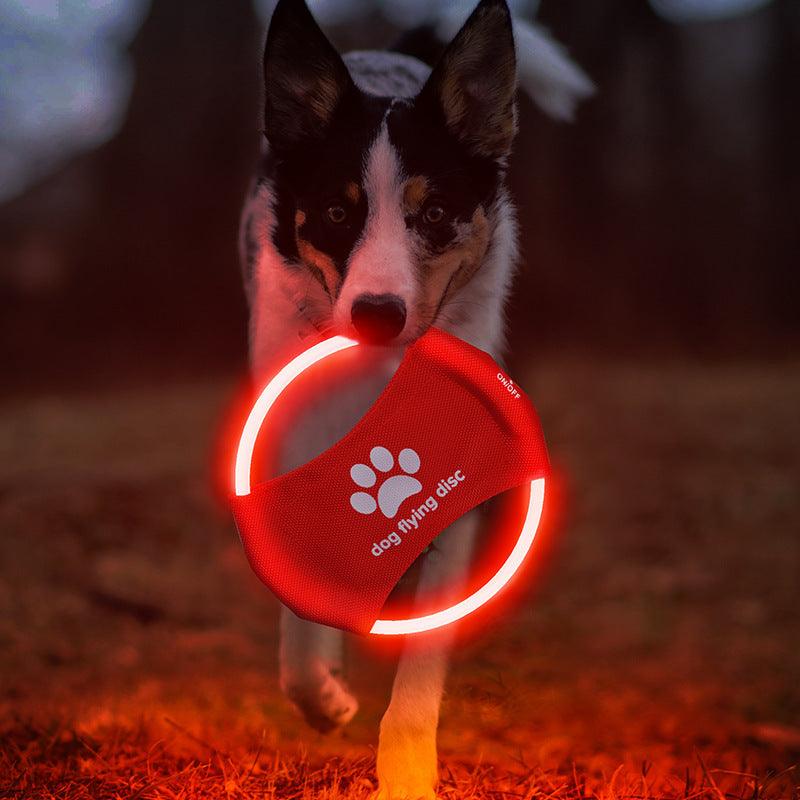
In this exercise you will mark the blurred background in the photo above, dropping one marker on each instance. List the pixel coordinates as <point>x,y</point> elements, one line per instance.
<point>665,218</point>
<point>655,320</point>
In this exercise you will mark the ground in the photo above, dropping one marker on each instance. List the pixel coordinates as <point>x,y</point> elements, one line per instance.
<point>655,653</point>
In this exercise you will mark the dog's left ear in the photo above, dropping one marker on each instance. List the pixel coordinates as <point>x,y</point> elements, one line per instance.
<point>474,83</point>
<point>305,78</point>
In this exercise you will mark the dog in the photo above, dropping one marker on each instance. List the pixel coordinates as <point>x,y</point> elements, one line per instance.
<point>380,208</point>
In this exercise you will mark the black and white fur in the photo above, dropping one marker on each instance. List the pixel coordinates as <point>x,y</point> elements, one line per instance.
<point>380,208</point>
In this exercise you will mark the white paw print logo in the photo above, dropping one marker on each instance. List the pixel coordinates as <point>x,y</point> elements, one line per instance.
<point>393,491</point>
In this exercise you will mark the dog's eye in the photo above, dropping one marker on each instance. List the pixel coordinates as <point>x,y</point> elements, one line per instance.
<point>433,214</point>
<point>337,213</point>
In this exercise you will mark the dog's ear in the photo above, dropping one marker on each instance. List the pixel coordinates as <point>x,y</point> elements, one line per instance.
<point>474,83</point>
<point>304,77</point>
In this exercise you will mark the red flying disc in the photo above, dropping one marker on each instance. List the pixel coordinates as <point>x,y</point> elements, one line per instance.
<point>332,537</point>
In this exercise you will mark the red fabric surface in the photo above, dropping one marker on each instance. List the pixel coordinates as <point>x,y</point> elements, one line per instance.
<point>447,403</point>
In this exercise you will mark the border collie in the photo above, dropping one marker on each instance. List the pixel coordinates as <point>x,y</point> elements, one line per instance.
<point>380,208</point>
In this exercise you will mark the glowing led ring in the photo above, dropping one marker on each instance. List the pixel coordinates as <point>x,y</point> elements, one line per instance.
<point>385,627</point>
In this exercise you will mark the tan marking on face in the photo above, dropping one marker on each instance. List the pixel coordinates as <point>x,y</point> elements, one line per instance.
<point>415,190</point>
<point>320,264</point>
<point>352,192</point>
<point>448,272</point>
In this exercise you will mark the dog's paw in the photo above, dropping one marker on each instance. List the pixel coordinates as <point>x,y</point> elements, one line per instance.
<point>406,764</point>
<point>325,702</point>
<point>403,793</point>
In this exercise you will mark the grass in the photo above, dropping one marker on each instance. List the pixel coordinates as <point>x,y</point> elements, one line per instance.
<point>62,763</point>
<point>655,655</point>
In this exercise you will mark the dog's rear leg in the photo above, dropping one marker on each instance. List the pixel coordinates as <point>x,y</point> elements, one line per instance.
<point>407,762</point>
<point>311,672</point>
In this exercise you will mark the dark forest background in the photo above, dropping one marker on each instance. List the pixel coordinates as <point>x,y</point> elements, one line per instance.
<point>664,219</point>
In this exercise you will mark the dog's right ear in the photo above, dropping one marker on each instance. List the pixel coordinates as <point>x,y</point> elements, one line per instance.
<point>304,77</point>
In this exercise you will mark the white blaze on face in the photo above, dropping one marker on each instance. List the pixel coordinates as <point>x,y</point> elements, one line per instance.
<point>381,262</point>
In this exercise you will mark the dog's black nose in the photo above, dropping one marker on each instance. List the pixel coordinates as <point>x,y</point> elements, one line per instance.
<point>378,318</point>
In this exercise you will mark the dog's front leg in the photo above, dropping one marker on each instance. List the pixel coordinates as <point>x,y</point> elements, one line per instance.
<point>311,672</point>
<point>407,762</point>
<point>310,655</point>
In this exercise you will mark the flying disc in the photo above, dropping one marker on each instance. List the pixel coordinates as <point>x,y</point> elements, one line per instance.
<point>332,537</point>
